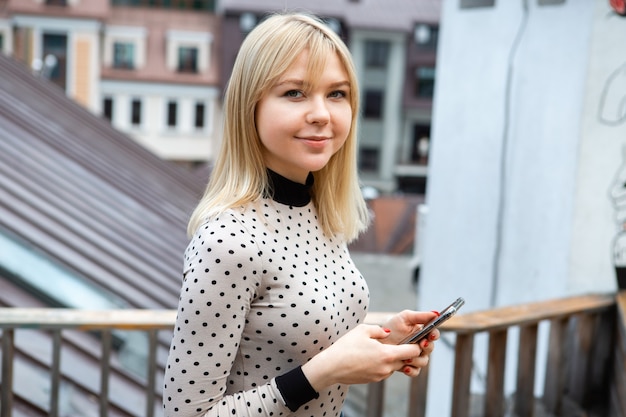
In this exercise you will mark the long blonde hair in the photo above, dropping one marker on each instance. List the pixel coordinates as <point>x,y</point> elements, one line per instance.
<point>239,176</point>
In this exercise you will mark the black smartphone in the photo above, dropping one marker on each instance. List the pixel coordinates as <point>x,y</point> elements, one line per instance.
<point>444,315</point>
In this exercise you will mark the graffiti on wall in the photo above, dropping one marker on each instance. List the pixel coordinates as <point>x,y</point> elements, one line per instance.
<point>612,112</point>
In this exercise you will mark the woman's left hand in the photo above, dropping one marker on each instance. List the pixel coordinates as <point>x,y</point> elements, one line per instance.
<point>408,322</point>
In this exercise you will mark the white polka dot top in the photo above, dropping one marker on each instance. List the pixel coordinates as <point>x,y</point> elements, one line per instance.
<point>264,290</point>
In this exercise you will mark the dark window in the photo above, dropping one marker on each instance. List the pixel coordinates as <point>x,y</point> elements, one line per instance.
<point>376,54</point>
<point>421,144</point>
<point>55,57</point>
<point>368,159</point>
<point>187,59</point>
<point>172,113</point>
<point>373,106</point>
<point>1,42</point>
<point>469,4</point>
<point>123,55</point>
<point>199,117</point>
<point>56,2</point>
<point>107,108</point>
<point>425,82</point>
<point>426,36</point>
<point>135,115</point>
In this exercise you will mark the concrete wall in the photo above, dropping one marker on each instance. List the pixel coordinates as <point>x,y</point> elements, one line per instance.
<point>521,164</point>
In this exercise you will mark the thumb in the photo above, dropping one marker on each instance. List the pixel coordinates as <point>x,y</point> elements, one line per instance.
<point>379,333</point>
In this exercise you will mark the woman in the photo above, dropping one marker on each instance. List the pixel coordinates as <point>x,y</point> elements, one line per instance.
<point>271,309</point>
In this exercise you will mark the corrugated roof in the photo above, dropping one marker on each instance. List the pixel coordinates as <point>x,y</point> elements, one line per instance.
<point>76,190</point>
<point>396,15</point>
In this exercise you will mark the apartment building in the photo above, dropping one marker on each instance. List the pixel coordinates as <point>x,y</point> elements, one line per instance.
<point>394,47</point>
<point>148,66</point>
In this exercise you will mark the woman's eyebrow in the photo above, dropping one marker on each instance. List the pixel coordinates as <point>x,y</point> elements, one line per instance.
<point>293,81</point>
<point>300,83</point>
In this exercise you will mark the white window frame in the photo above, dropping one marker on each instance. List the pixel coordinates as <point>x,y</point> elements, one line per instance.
<point>7,35</point>
<point>125,34</point>
<point>202,41</point>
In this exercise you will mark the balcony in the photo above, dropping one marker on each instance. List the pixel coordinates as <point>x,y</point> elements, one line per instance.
<point>585,366</point>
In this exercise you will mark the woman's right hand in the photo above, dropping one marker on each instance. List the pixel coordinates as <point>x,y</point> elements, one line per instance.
<point>358,357</point>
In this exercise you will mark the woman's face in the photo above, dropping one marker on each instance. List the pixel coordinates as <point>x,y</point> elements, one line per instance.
<point>303,122</point>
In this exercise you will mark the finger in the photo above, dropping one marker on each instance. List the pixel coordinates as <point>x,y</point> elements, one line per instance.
<point>377,332</point>
<point>419,362</point>
<point>420,317</point>
<point>410,371</point>
<point>427,346</point>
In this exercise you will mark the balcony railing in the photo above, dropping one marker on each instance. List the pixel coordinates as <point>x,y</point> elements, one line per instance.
<point>585,367</point>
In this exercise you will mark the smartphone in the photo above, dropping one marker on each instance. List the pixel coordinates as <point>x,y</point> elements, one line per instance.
<point>444,315</point>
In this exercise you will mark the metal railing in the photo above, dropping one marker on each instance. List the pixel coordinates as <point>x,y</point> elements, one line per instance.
<point>571,377</point>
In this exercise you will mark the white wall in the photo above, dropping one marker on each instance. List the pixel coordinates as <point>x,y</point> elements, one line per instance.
<point>520,167</point>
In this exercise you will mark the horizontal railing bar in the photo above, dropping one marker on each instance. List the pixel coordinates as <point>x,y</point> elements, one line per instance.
<point>526,314</point>
<point>127,319</point>
<point>144,319</point>
<point>57,318</point>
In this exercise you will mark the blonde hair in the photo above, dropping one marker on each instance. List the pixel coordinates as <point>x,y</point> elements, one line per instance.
<point>239,176</point>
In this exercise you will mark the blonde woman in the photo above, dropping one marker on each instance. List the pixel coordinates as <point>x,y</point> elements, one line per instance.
<point>271,308</point>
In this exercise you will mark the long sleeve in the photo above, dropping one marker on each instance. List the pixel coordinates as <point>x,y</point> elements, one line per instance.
<point>222,275</point>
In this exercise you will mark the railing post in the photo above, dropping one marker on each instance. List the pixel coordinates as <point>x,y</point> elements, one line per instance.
<point>375,399</point>
<point>417,394</point>
<point>527,356</point>
<point>463,360</point>
<point>554,384</point>
<point>105,368</point>
<point>55,373</point>
<point>151,374</point>
<point>494,398</point>
<point>8,350</point>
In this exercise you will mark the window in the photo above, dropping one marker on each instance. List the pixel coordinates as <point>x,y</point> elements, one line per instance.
<point>135,115</point>
<point>373,106</point>
<point>426,36</point>
<point>172,113</point>
<point>425,82</point>
<point>368,159</point>
<point>123,55</point>
<point>55,58</point>
<point>124,47</point>
<point>376,54</point>
<point>187,59</point>
<point>421,144</point>
<point>56,2</point>
<point>107,108</point>
<point>199,116</point>
<point>188,51</point>
<point>34,270</point>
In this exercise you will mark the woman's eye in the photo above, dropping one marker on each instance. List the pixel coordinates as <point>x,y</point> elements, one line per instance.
<point>293,94</point>
<point>338,94</point>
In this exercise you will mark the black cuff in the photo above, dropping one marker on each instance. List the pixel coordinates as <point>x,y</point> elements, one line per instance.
<point>295,388</point>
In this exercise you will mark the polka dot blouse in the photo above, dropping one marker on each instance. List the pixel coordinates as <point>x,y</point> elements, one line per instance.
<point>264,290</point>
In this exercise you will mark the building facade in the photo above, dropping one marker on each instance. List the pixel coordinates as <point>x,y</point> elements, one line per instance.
<point>150,67</point>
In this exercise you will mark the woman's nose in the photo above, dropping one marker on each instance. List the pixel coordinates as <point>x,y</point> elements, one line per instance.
<point>319,112</point>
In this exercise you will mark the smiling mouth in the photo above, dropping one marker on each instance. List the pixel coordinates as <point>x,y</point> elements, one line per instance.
<point>314,138</point>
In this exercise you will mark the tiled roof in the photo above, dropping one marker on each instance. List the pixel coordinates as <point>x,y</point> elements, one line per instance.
<point>92,200</point>
<point>396,15</point>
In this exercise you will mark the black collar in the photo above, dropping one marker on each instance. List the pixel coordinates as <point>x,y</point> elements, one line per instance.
<point>291,193</point>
